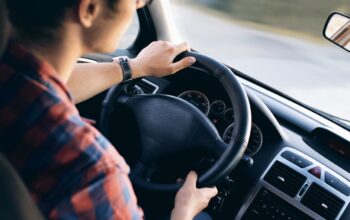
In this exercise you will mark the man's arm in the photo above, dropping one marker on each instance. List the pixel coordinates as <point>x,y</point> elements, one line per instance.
<point>89,79</point>
<point>156,60</point>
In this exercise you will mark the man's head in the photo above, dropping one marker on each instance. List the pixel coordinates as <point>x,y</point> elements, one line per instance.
<point>99,23</point>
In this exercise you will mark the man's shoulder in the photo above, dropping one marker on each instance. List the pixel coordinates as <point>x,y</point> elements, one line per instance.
<point>26,100</point>
<point>36,116</point>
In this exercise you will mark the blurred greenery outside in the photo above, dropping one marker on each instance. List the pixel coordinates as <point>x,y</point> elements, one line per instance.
<point>305,16</point>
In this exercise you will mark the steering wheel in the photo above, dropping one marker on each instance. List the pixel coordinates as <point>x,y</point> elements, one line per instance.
<point>169,125</point>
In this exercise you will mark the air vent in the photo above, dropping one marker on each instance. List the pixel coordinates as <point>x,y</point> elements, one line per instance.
<point>268,205</point>
<point>285,179</point>
<point>147,87</point>
<point>322,202</point>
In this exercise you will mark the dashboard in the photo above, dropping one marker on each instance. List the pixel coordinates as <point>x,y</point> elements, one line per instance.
<point>287,183</point>
<point>295,186</point>
<point>294,174</point>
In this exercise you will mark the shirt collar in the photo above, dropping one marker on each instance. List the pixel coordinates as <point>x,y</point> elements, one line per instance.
<point>24,61</point>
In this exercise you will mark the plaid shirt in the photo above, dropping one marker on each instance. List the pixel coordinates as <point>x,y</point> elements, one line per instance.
<point>70,169</point>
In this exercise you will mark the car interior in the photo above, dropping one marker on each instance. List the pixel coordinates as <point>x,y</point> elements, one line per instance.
<point>270,156</point>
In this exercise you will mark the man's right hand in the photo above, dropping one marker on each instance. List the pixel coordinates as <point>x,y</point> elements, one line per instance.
<point>190,200</point>
<point>157,59</point>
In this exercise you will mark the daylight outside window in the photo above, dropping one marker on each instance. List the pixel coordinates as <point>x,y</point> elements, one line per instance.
<point>131,34</point>
<point>277,42</point>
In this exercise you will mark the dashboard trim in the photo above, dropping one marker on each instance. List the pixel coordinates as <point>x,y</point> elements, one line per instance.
<point>310,179</point>
<point>318,118</point>
<point>152,84</point>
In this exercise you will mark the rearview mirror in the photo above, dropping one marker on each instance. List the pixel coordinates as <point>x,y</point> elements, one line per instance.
<point>337,30</point>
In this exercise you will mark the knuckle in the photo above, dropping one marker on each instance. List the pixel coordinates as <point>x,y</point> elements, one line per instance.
<point>183,65</point>
<point>171,49</point>
<point>172,69</point>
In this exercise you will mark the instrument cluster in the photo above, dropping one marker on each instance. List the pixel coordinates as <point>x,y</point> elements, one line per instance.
<point>222,116</point>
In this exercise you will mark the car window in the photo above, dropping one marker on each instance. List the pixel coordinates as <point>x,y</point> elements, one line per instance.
<point>131,34</point>
<point>278,42</point>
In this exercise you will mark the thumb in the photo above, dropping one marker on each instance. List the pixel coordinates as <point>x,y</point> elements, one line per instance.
<point>191,179</point>
<point>184,63</point>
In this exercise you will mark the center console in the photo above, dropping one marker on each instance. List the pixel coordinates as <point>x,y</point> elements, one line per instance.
<point>295,186</point>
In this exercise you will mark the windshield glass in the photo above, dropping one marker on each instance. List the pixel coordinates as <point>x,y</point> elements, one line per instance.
<point>278,42</point>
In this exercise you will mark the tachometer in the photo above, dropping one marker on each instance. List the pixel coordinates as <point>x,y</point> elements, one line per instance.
<point>198,99</point>
<point>218,107</point>
<point>255,140</point>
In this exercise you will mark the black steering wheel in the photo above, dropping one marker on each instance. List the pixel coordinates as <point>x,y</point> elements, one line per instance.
<point>169,125</point>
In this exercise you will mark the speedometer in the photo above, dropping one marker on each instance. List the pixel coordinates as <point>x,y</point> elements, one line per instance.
<point>198,99</point>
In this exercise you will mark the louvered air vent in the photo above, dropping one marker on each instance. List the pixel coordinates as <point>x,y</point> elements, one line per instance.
<point>285,179</point>
<point>322,202</point>
<point>147,87</point>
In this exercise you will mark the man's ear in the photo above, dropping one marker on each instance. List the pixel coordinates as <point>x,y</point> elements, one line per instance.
<point>88,11</point>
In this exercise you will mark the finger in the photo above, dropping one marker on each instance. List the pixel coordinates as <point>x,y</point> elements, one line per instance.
<point>179,48</point>
<point>191,179</point>
<point>210,192</point>
<point>184,63</point>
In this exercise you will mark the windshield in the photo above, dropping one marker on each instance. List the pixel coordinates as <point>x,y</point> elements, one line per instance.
<point>278,42</point>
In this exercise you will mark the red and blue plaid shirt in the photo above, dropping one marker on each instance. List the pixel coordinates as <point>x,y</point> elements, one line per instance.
<point>70,169</point>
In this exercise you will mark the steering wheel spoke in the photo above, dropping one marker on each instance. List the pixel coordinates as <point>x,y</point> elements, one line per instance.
<point>219,148</point>
<point>143,171</point>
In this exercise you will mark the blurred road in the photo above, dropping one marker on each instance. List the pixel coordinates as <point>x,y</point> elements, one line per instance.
<point>314,72</point>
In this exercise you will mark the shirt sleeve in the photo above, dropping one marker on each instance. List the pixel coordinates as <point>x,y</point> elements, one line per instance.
<point>94,183</point>
<point>109,195</point>
<point>90,177</point>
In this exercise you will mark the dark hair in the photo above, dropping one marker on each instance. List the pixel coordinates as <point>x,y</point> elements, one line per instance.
<point>38,19</point>
<point>3,26</point>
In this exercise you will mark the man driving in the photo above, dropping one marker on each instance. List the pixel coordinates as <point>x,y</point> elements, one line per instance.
<point>70,169</point>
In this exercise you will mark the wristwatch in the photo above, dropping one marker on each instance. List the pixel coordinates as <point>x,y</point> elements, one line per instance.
<point>124,64</point>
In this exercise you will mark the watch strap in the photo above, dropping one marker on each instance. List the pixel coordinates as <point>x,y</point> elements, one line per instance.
<point>126,69</point>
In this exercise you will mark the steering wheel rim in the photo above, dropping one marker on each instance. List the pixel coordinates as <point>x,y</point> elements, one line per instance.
<point>240,137</point>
